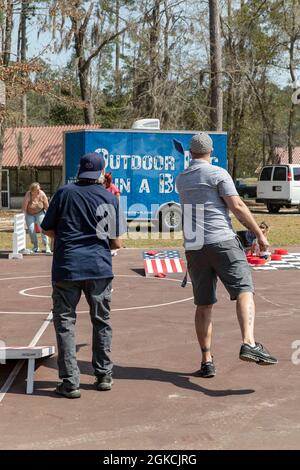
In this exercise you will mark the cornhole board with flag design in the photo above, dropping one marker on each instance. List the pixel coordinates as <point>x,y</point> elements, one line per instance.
<point>162,262</point>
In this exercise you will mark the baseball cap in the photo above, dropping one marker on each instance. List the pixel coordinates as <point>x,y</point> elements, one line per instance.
<point>91,166</point>
<point>201,143</point>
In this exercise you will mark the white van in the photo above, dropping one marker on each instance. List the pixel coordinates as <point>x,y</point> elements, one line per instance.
<point>279,186</point>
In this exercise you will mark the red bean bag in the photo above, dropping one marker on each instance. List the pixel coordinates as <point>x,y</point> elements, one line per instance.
<point>276,257</point>
<point>281,251</point>
<point>258,261</point>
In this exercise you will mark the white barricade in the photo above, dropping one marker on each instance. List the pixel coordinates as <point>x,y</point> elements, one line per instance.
<point>19,238</point>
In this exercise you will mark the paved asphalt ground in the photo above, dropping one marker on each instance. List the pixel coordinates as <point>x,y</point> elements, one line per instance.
<point>156,402</point>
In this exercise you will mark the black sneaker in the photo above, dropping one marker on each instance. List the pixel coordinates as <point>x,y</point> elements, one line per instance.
<point>207,370</point>
<point>257,353</point>
<point>68,392</point>
<point>104,383</point>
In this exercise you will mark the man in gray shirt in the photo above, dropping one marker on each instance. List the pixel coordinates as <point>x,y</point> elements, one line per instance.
<point>213,250</point>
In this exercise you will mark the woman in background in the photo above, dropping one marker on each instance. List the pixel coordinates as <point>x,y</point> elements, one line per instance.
<point>112,188</point>
<point>35,204</point>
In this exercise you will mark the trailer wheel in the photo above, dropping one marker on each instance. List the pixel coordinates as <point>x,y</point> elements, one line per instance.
<point>273,208</point>
<point>170,219</point>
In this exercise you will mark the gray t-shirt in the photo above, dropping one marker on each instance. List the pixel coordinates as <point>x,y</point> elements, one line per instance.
<point>204,185</point>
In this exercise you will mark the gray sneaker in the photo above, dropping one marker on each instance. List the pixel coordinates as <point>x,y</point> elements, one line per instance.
<point>207,370</point>
<point>66,391</point>
<point>257,353</point>
<point>104,383</point>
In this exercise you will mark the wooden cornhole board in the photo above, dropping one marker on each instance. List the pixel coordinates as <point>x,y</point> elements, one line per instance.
<point>163,262</point>
<point>31,353</point>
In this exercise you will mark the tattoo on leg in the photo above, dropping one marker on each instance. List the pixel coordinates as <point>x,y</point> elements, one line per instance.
<point>205,349</point>
<point>251,314</point>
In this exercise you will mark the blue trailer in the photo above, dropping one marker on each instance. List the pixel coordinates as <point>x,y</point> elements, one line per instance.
<point>144,165</point>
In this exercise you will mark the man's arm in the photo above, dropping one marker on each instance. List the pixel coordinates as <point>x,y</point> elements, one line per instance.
<point>49,233</point>
<point>119,227</point>
<point>244,216</point>
<point>115,243</point>
<point>25,203</point>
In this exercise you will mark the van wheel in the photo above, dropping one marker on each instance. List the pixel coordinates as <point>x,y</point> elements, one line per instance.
<point>273,208</point>
<point>170,219</point>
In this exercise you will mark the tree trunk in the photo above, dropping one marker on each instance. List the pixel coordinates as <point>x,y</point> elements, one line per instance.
<point>24,110</point>
<point>264,160</point>
<point>2,32</point>
<point>216,92</point>
<point>8,32</point>
<point>272,153</point>
<point>154,58</point>
<point>290,142</point>
<point>6,45</point>
<point>229,123</point>
<point>1,157</point>
<point>293,36</point>
<point>236,136</point>
<point>270,133</point>
<point>83,67</point>
<point>89,114</point>
<point>23,50</point>
<point>117,52</point>
<point>229,57</point>
<point>164,113</point>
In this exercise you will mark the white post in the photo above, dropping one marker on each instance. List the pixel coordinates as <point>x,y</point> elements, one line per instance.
<point>19,238</point>
<point>30,376</point>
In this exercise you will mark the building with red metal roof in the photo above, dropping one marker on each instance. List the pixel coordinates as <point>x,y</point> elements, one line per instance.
<point>34,154</point>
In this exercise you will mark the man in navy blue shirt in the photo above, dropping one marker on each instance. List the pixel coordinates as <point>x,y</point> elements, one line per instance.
<point>83,218</point>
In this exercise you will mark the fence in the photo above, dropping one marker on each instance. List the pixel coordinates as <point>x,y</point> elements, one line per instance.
<point>5,196</point>
<point>19,238</point>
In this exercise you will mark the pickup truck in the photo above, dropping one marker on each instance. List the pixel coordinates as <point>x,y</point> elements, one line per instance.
<point>246,191</point>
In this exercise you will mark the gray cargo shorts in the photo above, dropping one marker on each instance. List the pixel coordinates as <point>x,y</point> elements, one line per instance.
<point>226,260</point>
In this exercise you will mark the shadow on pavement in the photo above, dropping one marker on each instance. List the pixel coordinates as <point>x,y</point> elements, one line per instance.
<point>179,379</point>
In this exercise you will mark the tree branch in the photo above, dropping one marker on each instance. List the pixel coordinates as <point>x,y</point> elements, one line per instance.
<point>106,41</point>
<point>86,20</point>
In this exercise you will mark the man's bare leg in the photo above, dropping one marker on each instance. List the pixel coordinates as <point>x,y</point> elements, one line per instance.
<point>245,309</point>
<point>250,350</point>
<point>203,325</point>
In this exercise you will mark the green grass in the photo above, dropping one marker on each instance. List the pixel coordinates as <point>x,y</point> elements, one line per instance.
<point>284,230</point>
<point>156,243</point>
<point>6,241</point>
<point>131,242</point>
